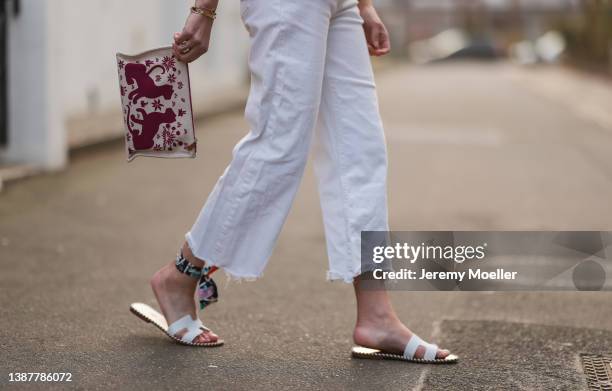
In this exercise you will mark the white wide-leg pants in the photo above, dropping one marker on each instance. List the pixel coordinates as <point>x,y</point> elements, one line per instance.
<point>310,75</point>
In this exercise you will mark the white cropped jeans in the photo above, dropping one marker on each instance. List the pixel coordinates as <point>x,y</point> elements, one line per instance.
<point>310,76</point>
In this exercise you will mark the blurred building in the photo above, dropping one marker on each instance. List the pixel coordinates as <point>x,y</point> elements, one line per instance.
<point>58,78</point>
<point>501,21</point>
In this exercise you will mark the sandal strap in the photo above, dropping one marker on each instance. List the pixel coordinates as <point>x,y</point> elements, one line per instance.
<point>185,267</point>
<point>413,344</point>
<point>191,334</point>
<point>202,325</point>
<point>194,328</point>
<point>186,322</point>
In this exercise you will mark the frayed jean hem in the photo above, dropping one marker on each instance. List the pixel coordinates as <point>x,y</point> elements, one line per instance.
<point>209,260</point>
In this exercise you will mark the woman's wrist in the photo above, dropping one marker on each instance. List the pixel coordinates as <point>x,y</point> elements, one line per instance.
<point>365,4</point>
<point>210,4</point>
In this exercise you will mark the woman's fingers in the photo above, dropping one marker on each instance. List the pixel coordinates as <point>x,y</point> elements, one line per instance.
<point>183,57</point>
<point>379,44</point>
<point>178,47</point>
<point>193,54</point>
<point>385,42</point>
<point>182,36</point>
<point>187,48</point>
<point>371,50</point>
<point>190,55</point>
<point>177,52</point>
<point>184,54</point>
<point>376,33</point>
<point>193,41</point>
<point>384,49</point>
<point>183,44</point>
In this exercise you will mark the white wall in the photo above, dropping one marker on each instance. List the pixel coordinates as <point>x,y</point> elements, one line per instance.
<point>62,67</point>
<point>35,131</point>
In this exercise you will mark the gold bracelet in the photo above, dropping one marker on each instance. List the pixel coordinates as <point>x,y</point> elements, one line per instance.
<point>209,13</point>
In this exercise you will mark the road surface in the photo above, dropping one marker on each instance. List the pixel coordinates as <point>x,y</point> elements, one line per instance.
<point>471,146</point>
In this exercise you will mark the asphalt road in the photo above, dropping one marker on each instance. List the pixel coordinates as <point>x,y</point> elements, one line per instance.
<point>471,147</point>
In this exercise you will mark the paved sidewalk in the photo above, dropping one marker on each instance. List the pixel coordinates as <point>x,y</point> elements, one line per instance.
<point>471,147</point>
<point>587,96</point>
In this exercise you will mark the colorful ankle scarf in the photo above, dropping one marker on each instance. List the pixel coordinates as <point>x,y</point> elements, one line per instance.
<point>207,291</point>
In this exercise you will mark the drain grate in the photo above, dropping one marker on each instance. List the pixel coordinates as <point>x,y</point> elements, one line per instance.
<point>598,371</point>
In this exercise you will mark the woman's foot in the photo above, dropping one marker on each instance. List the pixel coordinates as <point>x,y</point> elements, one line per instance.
<point>378,327</point>
<point>175,295</point>
<point>388,334</point>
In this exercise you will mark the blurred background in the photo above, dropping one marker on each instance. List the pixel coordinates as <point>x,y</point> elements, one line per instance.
<point>57,78</point>
<point>498,116</point>
<point>526,31</point>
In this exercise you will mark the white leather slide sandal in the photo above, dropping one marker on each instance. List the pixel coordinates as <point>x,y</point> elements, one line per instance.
<point>411,347</point>
<point>194,327</point>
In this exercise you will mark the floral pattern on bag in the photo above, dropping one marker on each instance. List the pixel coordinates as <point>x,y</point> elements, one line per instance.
<point>156,102</point>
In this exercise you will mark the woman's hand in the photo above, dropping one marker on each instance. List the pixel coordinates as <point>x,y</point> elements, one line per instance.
<point>376,33</point>
<point>194,40</point>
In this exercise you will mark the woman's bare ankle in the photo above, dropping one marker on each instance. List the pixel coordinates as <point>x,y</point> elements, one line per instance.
<point>170,278</point>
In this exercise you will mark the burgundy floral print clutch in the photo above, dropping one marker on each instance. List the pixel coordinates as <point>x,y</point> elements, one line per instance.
<point>156,103</point>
